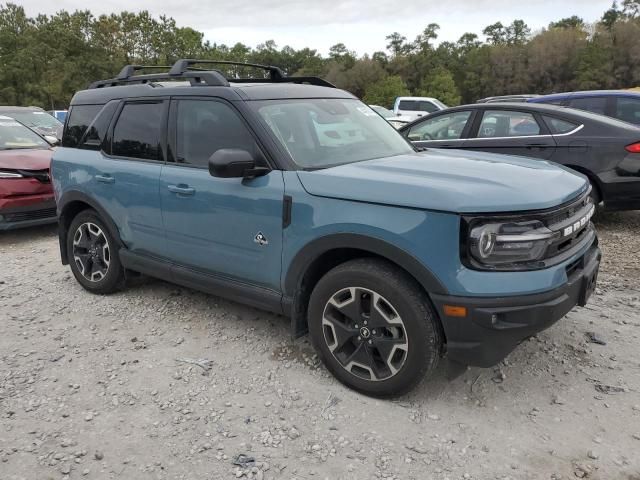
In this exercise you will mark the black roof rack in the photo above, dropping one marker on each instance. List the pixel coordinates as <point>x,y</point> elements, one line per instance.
<point>185,64</point>
<point>184,70</point>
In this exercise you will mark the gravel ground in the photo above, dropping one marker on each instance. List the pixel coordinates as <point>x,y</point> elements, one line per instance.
<point>161,382</point>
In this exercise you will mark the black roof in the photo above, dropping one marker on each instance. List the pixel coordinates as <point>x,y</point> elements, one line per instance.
<point>185,79</point>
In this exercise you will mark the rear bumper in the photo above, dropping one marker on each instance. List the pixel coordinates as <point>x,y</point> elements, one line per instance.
<point>622,195</point>
<point>493,327</point>
<point>41,213</point>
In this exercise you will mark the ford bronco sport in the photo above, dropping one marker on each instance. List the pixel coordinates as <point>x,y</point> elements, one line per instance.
<point>293,196</point>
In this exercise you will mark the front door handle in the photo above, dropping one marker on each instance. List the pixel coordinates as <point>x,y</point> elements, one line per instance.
<point>182,189</point>
<point>106,178</point>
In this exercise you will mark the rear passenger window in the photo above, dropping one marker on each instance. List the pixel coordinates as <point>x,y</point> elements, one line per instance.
<point>137,131</point>
<point>204,127</point>
<point>505,123</point>
<point>97,131</point>
<point>628,109</point>
<point>80,117</point>
<point>558,126</point>
<point>590,104</point>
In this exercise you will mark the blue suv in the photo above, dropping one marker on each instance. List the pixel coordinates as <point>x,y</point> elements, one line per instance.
<point>290,195</point>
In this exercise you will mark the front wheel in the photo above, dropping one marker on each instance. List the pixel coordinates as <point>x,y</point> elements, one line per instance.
<point>373,327</point>
<point>93,255</point>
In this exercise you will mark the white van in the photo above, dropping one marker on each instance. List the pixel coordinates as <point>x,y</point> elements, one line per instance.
<point>414,107</point>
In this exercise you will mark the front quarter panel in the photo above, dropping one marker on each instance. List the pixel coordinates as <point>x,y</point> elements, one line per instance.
<point>431,238</point>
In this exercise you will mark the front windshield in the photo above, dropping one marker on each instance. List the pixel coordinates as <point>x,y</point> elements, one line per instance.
<point>36,119</point>
<point>386,113</point>
<point>15,136</point>
<point>321,133</point>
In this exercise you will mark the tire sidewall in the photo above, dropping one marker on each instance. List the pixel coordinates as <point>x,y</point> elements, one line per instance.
<point>113,278</point>
<point>413,308</point>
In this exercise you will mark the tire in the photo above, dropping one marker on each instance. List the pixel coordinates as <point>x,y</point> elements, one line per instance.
<point>401,341</point>
<point>93,255</point>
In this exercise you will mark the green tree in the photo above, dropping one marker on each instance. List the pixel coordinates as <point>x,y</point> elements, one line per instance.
<point>441,85</point>
<point>496,33</point>
<point>569,22</point>
<point>384,91</point>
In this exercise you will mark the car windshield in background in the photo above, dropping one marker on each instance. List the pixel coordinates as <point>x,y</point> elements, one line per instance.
<point>36,119</point>
<point>15,136</point>
<point>321,133</point>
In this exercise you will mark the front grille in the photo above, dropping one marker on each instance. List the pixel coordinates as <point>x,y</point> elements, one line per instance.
<point>31,215</point>
<point>569,224</point>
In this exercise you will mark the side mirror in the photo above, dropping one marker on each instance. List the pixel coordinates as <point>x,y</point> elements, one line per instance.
<point>51,140</point>
<point>234,163</point>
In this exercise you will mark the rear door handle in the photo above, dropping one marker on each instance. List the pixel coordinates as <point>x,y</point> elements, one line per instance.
<point>182,189</point>
<point>106,178</point>
<point>537,145</point>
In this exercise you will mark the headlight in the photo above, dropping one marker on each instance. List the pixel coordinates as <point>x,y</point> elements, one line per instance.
<point>500,244</point>
<point>9,174</point>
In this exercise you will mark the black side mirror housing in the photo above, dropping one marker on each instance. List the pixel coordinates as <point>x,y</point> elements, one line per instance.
<point>234,163</point>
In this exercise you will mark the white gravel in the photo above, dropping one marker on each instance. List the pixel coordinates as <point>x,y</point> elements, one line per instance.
<point>161,382</point>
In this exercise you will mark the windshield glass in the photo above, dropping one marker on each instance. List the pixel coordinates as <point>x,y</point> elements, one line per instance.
<point>321,133</point>
<point>382,111</point>
<point>15,136</point>
<point>36,119</point>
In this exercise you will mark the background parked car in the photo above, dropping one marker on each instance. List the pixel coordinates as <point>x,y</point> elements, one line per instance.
<point>26,195</point>
<point>414,107</point>
<point>508,98</point>
<point>36,119</point>
<point>59,114</point>
<point>604,149</point>
<point>621,104</point>
<point>389,116</point>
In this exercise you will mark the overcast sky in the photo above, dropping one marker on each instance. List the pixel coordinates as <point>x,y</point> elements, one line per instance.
<point>361,25</point>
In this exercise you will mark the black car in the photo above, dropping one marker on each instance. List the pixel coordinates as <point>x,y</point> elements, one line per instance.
<point>604,149</point>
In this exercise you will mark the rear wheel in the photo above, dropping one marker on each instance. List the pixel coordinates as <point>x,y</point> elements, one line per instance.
<point>92,254</point>
<point>374,328</point>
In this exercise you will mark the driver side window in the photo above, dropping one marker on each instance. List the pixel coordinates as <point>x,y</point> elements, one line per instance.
<point>443,127</point>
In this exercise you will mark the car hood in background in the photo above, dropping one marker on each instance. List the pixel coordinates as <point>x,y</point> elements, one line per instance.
<point>25,159</point>
<point>452,181</point>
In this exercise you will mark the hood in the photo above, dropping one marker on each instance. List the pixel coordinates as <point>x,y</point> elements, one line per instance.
<point>27,159</point>
<point>451,181</point>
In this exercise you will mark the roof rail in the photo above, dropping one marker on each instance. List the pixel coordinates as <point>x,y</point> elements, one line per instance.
<point>196,78</point>
<point>276,75</point>
<point>184,65</point>
<point>184,70</point>
<point>130,70</point>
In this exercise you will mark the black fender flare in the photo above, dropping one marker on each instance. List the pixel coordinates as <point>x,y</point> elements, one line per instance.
<point>64,202</point>
<point>313,250</point>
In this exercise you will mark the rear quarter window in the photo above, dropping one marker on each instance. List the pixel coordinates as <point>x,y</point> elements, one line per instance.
<point>558,126</point>
<point>78,120</point>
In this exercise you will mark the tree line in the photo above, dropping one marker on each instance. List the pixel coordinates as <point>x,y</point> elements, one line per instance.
<point>46,58</point>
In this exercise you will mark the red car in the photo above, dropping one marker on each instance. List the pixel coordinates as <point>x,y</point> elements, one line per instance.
<point>26,194</point>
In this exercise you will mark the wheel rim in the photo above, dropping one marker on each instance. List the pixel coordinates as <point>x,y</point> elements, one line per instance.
<point>365,333</point>
<point>91,252</point>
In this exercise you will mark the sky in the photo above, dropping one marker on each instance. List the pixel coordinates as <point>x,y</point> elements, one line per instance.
<point>361,25</point>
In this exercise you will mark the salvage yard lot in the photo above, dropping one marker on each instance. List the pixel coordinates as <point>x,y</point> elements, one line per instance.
<point>162,382</point>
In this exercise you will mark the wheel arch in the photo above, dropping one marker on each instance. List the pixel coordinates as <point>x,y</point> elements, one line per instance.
<point>325,253</point>
<point>69,206</point>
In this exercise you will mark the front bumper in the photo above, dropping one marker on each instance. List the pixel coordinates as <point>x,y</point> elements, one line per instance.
<point>493,327</point>
<point>41,213</point>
